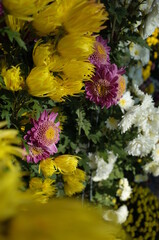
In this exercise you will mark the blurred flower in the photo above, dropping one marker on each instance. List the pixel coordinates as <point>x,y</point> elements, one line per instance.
<point>139,53</point>
<point>118,216</point>
<point>41,189</point>
<point>12,78</point>
<point>78,222</point>
<point>155,153</point>
<point>112,123</point>
<point>44,135</point>
<point>104,168</point>
<point>146,72</point>
<point>152,167</point>
<point>23,9</point>
<point>141,178</point>
<point>73,183</point>
<point>105,86</point>
<point>101,52</point>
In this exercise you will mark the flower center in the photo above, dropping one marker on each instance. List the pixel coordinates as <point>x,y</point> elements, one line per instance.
<point>36,151</point>
<point>102,88</point>
<point>50,133</point>
<point>122,102</point>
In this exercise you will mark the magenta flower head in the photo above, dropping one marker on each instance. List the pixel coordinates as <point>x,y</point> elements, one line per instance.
<point>43,137</point>
<point>107,86</point>
<point>101,52</point>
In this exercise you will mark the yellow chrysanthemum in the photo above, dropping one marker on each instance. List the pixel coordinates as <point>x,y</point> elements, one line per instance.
<point>42,53</point>
<point>12,78</point>
<point>48,167</point>
<point>75,46</point>
<point>62,219</point>
<point>8,140</point>
<point>74,183</point>
<point>66,164</point>
<point>72,16</point>
<point>40,82</point>
<point>79,69</point>
<point>42,190</point>
<point>14,23</point>
<point>66,87</point>
<point>24,8</point>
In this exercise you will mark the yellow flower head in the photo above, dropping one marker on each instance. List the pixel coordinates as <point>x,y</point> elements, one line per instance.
<point>72,16</point>
<point>14,23</point>
<point>83,16</point>
<point>12,78</point>
<point>42,53</point>
<point>47,167</point>
<point>78,69</point>
<point>74,183</point>
<point>75,46</point>
<point>66,164</point>
<point>62,219</point>
<point>40,82</point>
<point>8,142</point>
<point>42,190</point>
<point>24,8</point>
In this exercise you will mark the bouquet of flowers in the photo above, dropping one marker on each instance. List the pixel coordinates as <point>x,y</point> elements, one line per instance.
<point>77,115</point>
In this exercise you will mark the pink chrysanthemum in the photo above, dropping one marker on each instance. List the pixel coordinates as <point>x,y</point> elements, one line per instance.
<point>101,52</point>
<point>42,138</point>
<point>106,86</point>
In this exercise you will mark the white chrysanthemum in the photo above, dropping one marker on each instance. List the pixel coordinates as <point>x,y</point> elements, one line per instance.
<point>140,146</point>
<point>141,178</point>
<point>139,53</point>
<point>138,92</point>
<point>104,168</point>
<point>135,73</point>
<point>124,190</point>
<point>152,21</point>
<point>155,153</point>
<point>118,216</point>
<point>126,102</point>
<point>152,167</point>
<point>146,6</point>
<point>129,119</point>
<point>112,123</point>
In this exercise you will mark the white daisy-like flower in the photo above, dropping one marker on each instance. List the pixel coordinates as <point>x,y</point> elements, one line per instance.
<point>141,178</point>
<point>152,167</point>
<point>152,21</point>
<point>138,52</point>
<point>104,168</point>
<point>118,216</point>
<point>112,123</point>
<point>124,190</point>
<point>126,102</point>
<point>140,146</point>
<point>155,153</point>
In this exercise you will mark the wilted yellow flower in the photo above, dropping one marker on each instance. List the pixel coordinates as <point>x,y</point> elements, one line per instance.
<point>42,53</point>
<point>24,8</point>
<point>41,82</point>
<point>74,182</point>
<point>75,46</point>
<point>14,23</point>
<point>12,78</point>
<point>47,167</point>
<point>62,219</point>
<point>66,164</point>
<point>42,190</point>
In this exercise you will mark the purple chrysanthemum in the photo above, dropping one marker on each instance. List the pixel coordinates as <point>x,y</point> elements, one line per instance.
<point>42,137</point>
<point>101,52</point>
<point>106,86</point>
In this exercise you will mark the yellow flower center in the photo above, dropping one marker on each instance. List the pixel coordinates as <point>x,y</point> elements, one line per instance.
<point>122,102</point>
<point>36,151</point>
<point>50,133</point>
